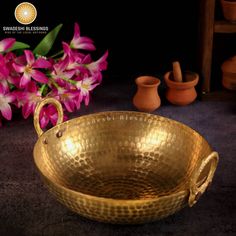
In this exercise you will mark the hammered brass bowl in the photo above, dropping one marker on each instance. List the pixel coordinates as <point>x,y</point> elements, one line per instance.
<point>123,167</point>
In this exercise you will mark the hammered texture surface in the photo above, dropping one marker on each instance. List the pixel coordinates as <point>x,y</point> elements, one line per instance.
<point>120,167</point>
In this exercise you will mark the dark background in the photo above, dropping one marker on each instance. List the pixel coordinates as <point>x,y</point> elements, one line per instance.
<point>142,38</point>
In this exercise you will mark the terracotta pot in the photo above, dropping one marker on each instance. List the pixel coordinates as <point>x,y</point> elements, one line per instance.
<point>229,9</point>
<point>147,98</point>
<point>229,73</point>
<point>181,93</point>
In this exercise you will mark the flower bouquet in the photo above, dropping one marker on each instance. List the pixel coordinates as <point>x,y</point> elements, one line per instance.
<point>28,76</point>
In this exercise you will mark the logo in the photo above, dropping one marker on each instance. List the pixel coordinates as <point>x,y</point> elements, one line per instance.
<point>25,13</point>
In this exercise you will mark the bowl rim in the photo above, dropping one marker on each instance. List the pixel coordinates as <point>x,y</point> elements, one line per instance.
<point>121,112</point>
<point>113,200</point>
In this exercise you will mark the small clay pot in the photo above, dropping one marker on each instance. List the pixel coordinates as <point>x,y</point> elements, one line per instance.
<point>147,98</point>
<point>181,93</point>
<point>229,73</point>
<point>229,9</point>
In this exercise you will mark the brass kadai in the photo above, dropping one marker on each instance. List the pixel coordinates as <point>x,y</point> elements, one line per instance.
<point>123,167</point>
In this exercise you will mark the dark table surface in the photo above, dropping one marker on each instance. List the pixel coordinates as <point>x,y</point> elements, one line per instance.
<point>27,208</point>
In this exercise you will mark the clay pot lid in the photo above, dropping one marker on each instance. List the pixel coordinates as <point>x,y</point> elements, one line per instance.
<point>229,65</point>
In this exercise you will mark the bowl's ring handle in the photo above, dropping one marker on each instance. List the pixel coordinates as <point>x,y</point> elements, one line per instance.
<point>38,108</point>
<point>195,190</point>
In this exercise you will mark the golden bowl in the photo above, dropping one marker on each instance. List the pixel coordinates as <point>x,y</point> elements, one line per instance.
<point>123,167</point>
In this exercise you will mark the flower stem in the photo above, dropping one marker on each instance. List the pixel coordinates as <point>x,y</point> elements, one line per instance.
<point>54,83</point>
<point>57,54</point>
<point>70,81</point>
<point>42,88</point>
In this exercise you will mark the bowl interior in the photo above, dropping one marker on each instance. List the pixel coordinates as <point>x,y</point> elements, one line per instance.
<point>120,155</point>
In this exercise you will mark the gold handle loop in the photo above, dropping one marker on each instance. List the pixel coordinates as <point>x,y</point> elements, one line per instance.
<point>38,108</point>
<point>195,190</point>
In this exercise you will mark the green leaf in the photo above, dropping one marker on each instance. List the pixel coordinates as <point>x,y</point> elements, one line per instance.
<point>18,45</point>
<point>47,42</point>
<point>11,86</point>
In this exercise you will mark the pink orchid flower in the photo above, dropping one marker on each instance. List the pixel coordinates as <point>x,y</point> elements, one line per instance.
<point>10,56</point>
<point>5,99</point>
<point>49,114</point>
<point>6,44</point>
<point>78,62</point>
<point>85,86</point>
<point>99,65</point>
<point>6,71</point>
<point>13,77</point>
<point>29,98</point>
<point>69,77</point>
<point>75,58</point>
<point>29,71</point>
<point>79,42</point>
<point>66,97</point>
<point>60,70</point>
